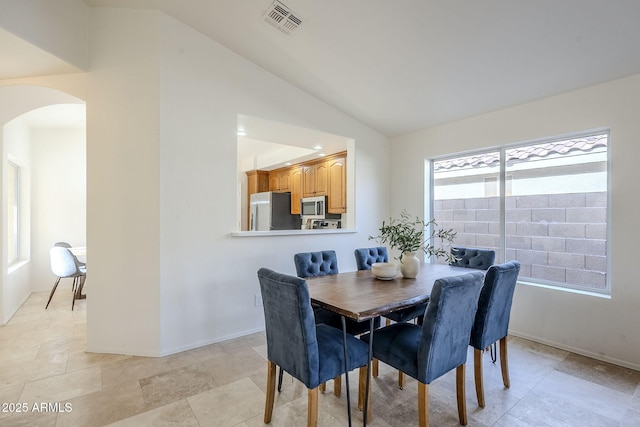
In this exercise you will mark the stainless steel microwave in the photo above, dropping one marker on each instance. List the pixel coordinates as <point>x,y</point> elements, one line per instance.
<point>313,207</point>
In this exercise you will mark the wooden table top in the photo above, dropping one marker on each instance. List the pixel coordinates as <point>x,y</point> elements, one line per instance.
<point>360,296</point>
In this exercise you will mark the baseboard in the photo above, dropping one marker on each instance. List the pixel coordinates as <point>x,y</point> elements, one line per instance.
<point>209,342</point>
<point>580,351</point>
<point>8,318</point>
<point>175,350</point>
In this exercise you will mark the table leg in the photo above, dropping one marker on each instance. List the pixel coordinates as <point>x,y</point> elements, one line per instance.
<point>346,366</point>
<point>366,388</point>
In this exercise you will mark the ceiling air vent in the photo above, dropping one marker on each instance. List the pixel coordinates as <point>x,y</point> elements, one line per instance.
<point>282,18</point>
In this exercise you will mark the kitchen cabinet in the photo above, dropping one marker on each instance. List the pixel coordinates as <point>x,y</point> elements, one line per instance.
<point>308,181</point>
<point>337,185</point>
<point>327,177</point>
<point>324,177</point>
<point>295,183</point>
<point>279,180</point>
<point>257,182</point>
<point>314,178</point>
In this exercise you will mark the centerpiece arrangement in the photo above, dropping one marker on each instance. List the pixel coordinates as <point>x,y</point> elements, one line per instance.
<point>408,235</point>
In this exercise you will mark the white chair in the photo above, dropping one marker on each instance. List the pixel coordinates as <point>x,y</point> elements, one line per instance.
<point>67,245</point>
<point>64,264</point>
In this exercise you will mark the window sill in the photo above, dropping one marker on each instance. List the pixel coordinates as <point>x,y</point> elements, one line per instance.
<point>604,294</point>
<point>17,266</point>
<point>293,232</point>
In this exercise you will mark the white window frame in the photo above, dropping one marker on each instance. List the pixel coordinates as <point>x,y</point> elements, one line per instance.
<point>501,253</point>
<point>14,228</point>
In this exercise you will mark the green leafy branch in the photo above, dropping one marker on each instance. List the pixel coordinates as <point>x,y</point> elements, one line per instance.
<point>407,234</point>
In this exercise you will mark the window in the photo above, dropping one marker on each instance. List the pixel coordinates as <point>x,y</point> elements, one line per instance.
<point>13,214</point>
<point>544,204</point>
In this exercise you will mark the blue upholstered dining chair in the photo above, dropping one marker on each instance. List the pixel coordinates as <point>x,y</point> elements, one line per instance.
<point>322,263</point>
<point>428,351</point>
<point>481,259</point>
<point>365,257</point>
<point>312,353</point>
<point>492,319</point>
<point>314,264</point>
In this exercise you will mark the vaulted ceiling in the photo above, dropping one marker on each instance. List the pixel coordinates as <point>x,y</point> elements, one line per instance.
<point>399,66</point>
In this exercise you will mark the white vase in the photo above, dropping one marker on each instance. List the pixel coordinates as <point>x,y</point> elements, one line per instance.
<point>409,265</point>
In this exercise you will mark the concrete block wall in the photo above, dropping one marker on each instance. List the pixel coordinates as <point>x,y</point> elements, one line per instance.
<point>558,237</point>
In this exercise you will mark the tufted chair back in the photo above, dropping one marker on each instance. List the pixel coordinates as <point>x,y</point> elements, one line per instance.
<point>447,323</point>
<point>290,325</point>
<point>310,352</point>
<point>365,257</point>
<point>494,306</point>
<point>481,259</point>
<point>313,264</point>
<point>492,321</point>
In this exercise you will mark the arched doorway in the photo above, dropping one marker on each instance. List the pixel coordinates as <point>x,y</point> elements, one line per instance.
<point>44,138</point>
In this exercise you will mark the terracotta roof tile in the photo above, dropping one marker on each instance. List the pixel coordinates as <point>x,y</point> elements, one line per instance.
<point>522,153</point>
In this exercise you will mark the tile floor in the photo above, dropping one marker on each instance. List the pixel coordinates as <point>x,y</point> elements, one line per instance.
<point>42,361</point>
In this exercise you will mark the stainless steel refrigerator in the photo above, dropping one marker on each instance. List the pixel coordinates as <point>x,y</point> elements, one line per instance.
<point>272,211</point>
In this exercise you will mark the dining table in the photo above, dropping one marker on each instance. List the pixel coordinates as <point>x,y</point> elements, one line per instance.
<point>360,296</point>
<point>80,252</point>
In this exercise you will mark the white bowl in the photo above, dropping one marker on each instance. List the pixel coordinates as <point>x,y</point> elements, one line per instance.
<point>385,270</point>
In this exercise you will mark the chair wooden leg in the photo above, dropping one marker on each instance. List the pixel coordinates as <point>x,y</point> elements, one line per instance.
<point>337,386</point>
<point>423,404</point>
<point>504,363</point>
<point>362,386</point>
<point>388,322</point>
<point>460,392</point>
<point>375,366</point>
<point>323,387</point>
<point>401,380</point>
<point>477,371</point>
<point>271,391</point>
<point>312,411</point>
<point>52,292</point>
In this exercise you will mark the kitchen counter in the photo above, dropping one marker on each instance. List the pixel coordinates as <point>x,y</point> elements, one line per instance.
<point>293,232</point>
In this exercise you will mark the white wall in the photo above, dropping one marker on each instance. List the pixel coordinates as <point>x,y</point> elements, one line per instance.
<point>123,183</point>
<point>59,27</point>
<point>166,275</point>
<point>58,196</point>
<point>16,280</point>
<point>606,329</point>
<point>208,279</point>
